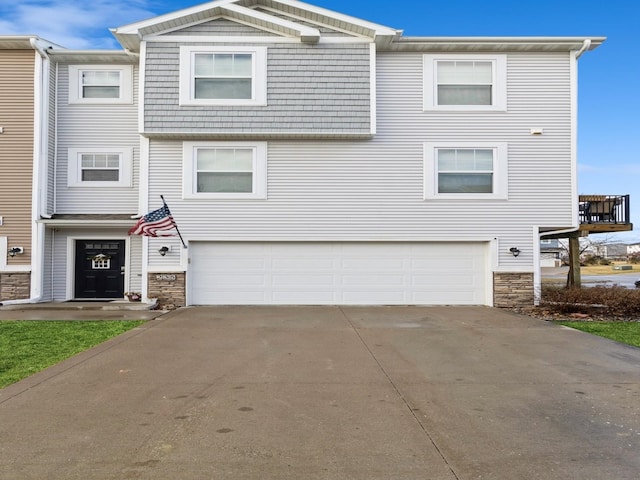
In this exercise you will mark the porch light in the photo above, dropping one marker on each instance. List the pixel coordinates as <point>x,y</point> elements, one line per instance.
<point>163,250</point>
<point>515,251</point>
<point>13,251</point>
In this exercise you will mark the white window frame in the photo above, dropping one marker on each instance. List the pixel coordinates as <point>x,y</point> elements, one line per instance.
<point>500,171</point>
<point>75,84</point>
<point>498,74</point>
<point>259,75</point>
<point>74,172</point>
<point>189,173</point>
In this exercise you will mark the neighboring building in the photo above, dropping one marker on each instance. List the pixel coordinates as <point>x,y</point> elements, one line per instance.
<point>633,248</point>
<point>24,93</point>
<point>612,251</point>
<point>551,252</point>
<point>309,157</point>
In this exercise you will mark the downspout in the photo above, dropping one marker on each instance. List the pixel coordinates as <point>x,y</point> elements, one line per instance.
<point>585,46</point>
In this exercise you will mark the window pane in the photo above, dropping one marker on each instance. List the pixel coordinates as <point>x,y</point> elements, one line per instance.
<point>242,65</point>
<point>224,160</point>
<point>113,161</point>
<point>465,183</point>
<point>482,72</point>
<point>86,160</point>
<point>215,88</point>
<point>230,182</point>
<point>203,64</point>
<point>101,77</point>
<point>484,160</point>
<point>464,94</point>
<point>464,73</point>
<point>223,65</point>
<point>100,175</point>
<point>446,159</point>
<point>446,72</point>
<point>244,158</point>
<point>100,92</point>
<point>100,161</point>
<point>466,160</point>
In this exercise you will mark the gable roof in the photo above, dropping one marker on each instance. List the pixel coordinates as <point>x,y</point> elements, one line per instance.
<point>245,11</point>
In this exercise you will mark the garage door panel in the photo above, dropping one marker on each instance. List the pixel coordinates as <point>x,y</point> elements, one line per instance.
<point>303,280</point>
<point>373,280</point>
<point>337,273</point>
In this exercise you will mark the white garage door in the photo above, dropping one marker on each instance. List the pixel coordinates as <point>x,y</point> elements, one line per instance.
<point>329,273</point>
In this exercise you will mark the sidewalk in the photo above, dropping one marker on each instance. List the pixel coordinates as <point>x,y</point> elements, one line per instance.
<point>112,310</point>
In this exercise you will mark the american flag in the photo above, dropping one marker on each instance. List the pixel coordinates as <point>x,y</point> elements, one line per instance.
<point>155,224</point>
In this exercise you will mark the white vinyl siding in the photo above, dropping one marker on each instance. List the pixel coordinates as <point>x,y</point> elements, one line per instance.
<point>96,128</point>
<point>330,273</point>
<point>363,190</point>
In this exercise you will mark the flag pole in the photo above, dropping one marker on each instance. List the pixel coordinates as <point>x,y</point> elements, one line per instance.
<point>174,222</point>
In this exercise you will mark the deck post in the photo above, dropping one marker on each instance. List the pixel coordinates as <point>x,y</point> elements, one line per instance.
<point>573,278</point>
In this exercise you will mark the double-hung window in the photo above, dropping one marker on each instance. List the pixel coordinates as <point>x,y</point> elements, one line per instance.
<point>465,82</point>
<point>99,167</point>
<point>465,170</point>
<point>222,75</point>
<point>103,84</point>
<point>224,169</point>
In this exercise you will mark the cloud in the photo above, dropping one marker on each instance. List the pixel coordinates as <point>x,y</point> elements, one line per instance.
<point>72,24</point>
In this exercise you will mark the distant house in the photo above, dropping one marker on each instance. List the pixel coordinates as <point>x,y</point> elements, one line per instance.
<point>633,248</point>
<point>551,253</point>
<point>612,251</point>
<point>308,157</point>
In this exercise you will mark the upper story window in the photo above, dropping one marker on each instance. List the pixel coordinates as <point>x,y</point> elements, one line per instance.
<point>224,170</point>
<point>99,167</point>
<point>223,75</point>
<point>465,82</point>
<point>465,171</point>
<point>100,84</point>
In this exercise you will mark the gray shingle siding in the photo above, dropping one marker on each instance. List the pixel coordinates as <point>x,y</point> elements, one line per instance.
<point>222,27</point>
<point>311,89</point>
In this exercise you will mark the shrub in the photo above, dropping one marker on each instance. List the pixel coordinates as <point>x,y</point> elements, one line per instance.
<point>634,258</point>
<point>614,302</point>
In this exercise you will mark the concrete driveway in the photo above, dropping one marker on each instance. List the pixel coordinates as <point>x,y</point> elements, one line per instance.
<point>331,393</point>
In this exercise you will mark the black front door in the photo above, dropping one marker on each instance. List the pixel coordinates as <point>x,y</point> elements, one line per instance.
<point>99,269</point>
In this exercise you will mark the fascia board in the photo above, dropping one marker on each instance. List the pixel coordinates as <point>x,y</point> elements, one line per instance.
<point>305,33</point>
<point>494,43</point>
<point>138,28</point>
<point>376,29</point>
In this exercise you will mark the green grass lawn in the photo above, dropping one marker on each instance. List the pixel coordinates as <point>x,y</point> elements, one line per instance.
<point>623,332</point>
<point>26,347</point>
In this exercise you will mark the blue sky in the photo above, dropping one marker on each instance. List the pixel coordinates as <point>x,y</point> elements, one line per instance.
<point>609,77</point>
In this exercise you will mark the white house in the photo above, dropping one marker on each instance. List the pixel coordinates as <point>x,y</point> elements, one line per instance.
<point>309,157</point>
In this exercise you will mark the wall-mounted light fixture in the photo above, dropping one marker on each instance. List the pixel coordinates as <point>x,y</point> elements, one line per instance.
<point>163,250</point>
<point>13,251</point>
<point>515,251</point>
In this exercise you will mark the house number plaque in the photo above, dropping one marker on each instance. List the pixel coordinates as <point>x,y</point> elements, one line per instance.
<point>167,277</point>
